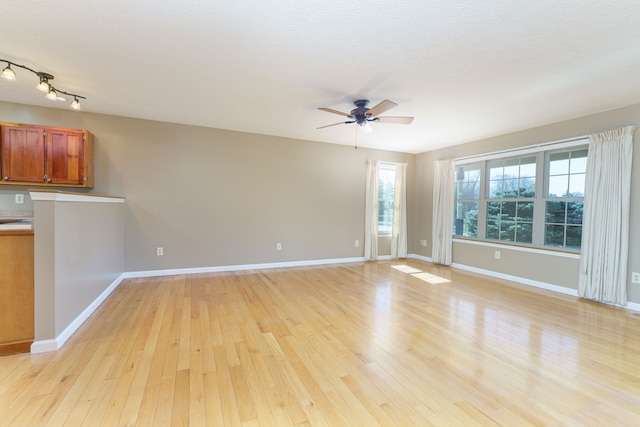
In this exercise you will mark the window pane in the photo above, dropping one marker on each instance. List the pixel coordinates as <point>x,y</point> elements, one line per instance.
<point>576,185</point>
<point>525,211</point>
<point>527,187</point>
<point>555,212</point>
<point>554,235</point>
<point>470,190</point>
<point>524,233</point>
<point>495,170</point>
<point>493,230</point>
<point>574,212</point>
<point>579,161</point>
<point>559,163</point>
<point>574,236</point>
<point>508,231</point>
<point>474,174</point>
<point>493,210</point>
<point>528,167</point>
<point>495,189</point>
<point>558,185</point>
<point>509,211</point>
<point>510,189</point>
<point>512,168</point>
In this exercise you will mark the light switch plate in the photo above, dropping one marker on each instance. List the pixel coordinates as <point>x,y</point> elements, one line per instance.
<point>635,277</point>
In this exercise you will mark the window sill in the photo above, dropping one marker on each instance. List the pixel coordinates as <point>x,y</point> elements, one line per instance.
<point>515,247</point>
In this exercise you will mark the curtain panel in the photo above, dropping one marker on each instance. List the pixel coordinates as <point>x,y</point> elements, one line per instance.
<point>605,229</point>
<point>443,199</point>
<point>399,227</point>
<point>371,212</point>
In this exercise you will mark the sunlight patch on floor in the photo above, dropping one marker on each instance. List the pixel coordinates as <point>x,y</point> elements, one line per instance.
<point>419,274</point>
<point>406,269</point>
<point>431,278</point>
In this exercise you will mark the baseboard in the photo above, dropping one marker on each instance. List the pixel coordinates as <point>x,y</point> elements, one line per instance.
<point>241,267</point>
<point>44,346</point>
<point>15,347</point>
<point>537,284</point>
<point>420,257</point>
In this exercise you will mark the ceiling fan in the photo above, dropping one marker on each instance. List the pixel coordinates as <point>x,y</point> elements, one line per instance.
<point>362,115</point>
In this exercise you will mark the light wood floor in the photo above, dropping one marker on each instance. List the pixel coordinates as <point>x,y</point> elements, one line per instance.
<point>346,345</point>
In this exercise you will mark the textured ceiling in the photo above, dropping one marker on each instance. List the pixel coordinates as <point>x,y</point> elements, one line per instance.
<point>464,69</point>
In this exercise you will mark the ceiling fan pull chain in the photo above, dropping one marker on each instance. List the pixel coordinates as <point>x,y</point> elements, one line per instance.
<point>356,128</point>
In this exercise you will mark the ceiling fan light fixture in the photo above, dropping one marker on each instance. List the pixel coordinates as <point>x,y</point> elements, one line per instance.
<point>8,73</point>
<point>366,127</point>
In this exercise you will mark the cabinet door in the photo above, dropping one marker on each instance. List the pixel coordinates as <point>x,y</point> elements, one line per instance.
<point>65,157</point>
<point>23,154</point>
<point>16,293</point>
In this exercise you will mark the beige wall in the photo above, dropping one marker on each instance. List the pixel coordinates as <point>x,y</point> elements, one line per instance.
<point>544,268</point>
<point>213,198</point>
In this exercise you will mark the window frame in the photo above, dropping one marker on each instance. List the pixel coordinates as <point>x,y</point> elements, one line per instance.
<point>542,153</point>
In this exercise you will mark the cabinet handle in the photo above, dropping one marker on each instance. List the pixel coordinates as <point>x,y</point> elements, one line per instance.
<point>6,178</point>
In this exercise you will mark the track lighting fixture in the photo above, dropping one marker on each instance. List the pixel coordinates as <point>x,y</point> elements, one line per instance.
<point>44,85</point>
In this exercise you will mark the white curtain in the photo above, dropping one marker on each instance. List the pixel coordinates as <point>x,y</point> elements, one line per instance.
<point>605,223</point>
<point>371,212</point>
<point>399,228</point>
<point>443,197</point>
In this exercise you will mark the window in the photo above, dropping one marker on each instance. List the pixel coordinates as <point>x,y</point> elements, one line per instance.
<point>565,198</point>
<point>512,189</point>
<point>386,193</point>
<point>467,198</point>
<point>534,199</point>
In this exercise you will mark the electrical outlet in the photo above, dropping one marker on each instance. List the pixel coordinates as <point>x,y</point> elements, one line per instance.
<point>159,251</point>
<point>423,243</point>
<point>497,254</point>
<point>357,243</point>
<point>278,246</point>
<point>635,278</point>
<point>19,198</point>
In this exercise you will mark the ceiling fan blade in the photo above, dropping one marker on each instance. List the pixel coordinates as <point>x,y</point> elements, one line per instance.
<point>335,124</point>
<point>381,108</point>
<point>330,110</point>
<point>397,120</point>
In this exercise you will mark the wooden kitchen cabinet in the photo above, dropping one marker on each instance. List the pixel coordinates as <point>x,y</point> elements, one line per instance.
<point>66,158</point>
<point>22,154</point>
<point>16,292</point>
<point>40,155</point>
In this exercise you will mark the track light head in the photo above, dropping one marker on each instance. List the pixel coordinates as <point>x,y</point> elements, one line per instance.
<point>52,95</point>
<point>75,104</point>
<point>8,73</point>
<point>43,86</point>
